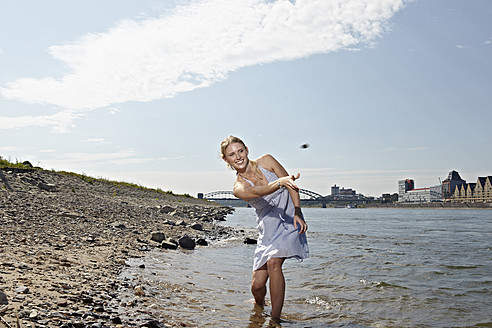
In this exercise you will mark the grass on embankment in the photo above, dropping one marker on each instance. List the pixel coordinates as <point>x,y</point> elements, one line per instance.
<point>4,163</point>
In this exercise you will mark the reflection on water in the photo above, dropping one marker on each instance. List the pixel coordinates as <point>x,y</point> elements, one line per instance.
<point>368,268</point>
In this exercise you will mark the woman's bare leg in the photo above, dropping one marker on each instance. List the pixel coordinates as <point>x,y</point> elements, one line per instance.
<point>277,285</point>
<point>258,285</point>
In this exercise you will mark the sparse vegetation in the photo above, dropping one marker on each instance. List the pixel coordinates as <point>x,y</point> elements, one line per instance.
<point>17,164</point>
<point>4,163</point>
<point>118,184</point>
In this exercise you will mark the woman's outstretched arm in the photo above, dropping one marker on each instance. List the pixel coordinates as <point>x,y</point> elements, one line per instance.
<point>245,191</point>
<point>242,189</point>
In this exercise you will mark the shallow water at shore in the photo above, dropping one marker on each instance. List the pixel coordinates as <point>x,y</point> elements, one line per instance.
<point>368,268</point>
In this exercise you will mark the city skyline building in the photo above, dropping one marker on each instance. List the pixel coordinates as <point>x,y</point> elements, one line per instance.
<point>454,189</point>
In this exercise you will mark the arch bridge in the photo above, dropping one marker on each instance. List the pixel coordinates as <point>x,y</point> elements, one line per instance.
<point>223,194</point>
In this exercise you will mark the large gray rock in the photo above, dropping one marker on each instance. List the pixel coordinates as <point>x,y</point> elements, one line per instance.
<point>250,241</point>
<point>168,222</point>
<point>187,242</point>
<point>181,223</point>
<point>47,186</point>
<point>197,226</point>
<point>202,242</point>
<point>3,299</point>
<point>169,244</point>
<point>167,209</point>
<point>158,236</point>
<point>152,324</point>
<point>22,290</point>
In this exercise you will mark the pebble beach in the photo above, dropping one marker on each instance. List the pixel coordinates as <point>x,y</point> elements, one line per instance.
<point>65,239</point>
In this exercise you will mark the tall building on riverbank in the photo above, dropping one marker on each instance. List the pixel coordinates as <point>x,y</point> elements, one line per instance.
<point>449,185</point>
<point>408,194</point>
<point>336,191</point>
<point>453,189</point>
<point>479,192</point>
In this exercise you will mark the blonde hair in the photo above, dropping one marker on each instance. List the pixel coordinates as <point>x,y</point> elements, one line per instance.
<point>232,139</point>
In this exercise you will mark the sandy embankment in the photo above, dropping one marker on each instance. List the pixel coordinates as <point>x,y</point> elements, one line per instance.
<point>64,241</point>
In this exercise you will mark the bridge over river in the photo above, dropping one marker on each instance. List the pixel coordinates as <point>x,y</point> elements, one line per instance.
<point>227,198</point>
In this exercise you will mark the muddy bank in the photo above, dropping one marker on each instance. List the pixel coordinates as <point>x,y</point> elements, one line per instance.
<point>65,240</point>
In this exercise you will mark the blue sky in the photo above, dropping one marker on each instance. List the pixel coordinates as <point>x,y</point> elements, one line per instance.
<point>144,91</point>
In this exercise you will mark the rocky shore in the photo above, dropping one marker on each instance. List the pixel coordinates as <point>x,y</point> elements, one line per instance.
<point>65,240</point>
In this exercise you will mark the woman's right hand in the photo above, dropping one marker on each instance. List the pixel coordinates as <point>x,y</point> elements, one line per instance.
<point>288,182</point>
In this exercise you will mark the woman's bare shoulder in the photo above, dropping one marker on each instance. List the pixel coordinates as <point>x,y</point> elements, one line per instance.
<point>267,161</point>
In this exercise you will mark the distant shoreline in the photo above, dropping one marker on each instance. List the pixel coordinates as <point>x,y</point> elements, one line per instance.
<point>436,205</point>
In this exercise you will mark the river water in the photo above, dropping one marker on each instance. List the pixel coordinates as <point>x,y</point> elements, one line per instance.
<point>367,268</point>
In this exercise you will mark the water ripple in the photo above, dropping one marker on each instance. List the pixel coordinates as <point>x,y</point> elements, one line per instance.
<point>368,268</point>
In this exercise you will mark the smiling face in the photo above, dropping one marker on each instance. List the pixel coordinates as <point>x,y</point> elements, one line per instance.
<point>236,155</point>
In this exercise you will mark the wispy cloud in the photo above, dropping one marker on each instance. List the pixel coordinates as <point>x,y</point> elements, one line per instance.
<point>419,148</point>
<point>81,160</point>
<point>64,160</point>
<point>114,110</point>
<point>97,141</point>
<point>193,46</point>
<point>334,172</point>
<point>6,149</point>
<point>59,122</point>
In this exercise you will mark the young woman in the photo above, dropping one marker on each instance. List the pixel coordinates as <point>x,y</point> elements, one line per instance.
<point>267,187</point>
